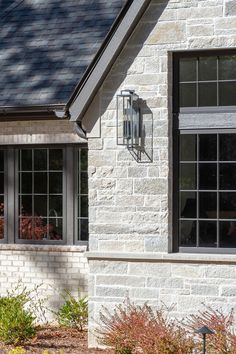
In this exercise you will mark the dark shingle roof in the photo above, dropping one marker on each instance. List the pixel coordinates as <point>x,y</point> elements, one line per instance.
<point>46,46</point>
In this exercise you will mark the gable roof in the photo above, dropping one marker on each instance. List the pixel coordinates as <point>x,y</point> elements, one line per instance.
<point>97,71</point>
<point>46,46</point>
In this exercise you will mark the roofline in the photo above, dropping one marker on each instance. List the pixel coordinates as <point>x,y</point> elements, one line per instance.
<point>102,63</point>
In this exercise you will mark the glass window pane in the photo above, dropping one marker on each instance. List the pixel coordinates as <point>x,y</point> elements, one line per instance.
<point>188,205</point>
<point>207,94</point>
<point>83,206</point>
<point>26,182</point>
<point>208,147</point>
<point>207,68</point>
<point>227,230</point>
<point>1,182</point>
<point>55,228</point>
<point>227,95</point>
<point>208,205</point>
<point>188,176</point>
<point>188,95</point>
<point>207,234</point>
<point>227,147</point>
<point>40,159</point>
<point>26,228</point>
<point>207,176</point>
<point>40,182</point>
<point>40,205</point>
<point>56,159</point>
<point>1,217</point>
<point>84,183</point>
<point>2,160</point>
<point>25,205</point>
<point>83,229</point>
<point>188,233</point>
<point>188,147</point>
<point>40,228</point>
<point>187,69</point>
<point>55,205</point>
<point>227,205</point>
<point>1,205</point>
<point>227,176</point>
<point>227,67</point>
<point>83,163</point>
<point>55,182</point>
<point>26,160</point>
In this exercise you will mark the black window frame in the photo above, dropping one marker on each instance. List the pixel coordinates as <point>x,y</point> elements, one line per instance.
<point>69,192</point>
<point>207,117</point>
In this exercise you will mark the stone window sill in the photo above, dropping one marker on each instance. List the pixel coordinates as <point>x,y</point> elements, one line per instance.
<point>164,257</point>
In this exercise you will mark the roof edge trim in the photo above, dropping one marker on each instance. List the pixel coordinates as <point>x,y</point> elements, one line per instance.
<point>112,46</point>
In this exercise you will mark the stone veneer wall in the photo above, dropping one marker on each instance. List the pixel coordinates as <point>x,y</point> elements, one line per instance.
<point>130,203</point>
<point>53,267</point>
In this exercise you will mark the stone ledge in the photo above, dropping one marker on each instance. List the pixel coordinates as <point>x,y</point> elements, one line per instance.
<point>42,248</point>
<point>163,257</point>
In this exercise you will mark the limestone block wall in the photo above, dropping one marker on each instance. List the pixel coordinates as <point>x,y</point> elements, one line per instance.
<point>131,203</point>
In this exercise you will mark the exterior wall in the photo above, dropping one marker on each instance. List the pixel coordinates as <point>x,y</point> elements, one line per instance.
<point>53,267</point>
<point>130,202</point>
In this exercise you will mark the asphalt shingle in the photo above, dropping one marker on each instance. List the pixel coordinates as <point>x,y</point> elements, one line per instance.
<point>46,46</point>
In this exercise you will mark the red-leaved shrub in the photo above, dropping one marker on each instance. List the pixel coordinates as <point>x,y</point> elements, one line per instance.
<point>135,329</point>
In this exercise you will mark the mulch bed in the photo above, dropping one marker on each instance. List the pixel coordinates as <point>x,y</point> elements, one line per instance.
<point>58,341</point>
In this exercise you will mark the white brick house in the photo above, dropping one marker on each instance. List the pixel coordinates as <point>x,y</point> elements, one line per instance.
<point>161,215</point>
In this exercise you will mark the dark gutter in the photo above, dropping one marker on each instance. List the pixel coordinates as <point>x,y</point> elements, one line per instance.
<point>111,48</point>
<point>54,111</point>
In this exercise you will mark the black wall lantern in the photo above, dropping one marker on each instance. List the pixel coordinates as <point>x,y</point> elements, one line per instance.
<point>129,128</point>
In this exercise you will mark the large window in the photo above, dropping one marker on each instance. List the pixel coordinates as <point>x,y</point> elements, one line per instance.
<point>40,189</point>
<point>205,152</point>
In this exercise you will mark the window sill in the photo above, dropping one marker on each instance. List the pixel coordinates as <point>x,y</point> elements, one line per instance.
<point>163,257</point>
<point>42,248</point>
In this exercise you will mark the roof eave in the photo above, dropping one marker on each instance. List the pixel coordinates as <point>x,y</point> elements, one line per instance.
<point>112,46</point>
<point>33,112</point>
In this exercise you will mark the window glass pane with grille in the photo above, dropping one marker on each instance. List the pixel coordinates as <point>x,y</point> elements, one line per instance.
<point>40,194</point>
<point>207,193</point>
<point>82,187</point>
<point>207,81</point>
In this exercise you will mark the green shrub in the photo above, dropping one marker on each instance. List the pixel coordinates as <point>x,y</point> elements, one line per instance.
<point>17,350</point>
<point>16,320</point>
<point>74,312</point>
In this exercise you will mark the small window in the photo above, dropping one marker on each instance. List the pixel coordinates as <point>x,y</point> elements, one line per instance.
<point>207,81</point>
<point>40,189</point>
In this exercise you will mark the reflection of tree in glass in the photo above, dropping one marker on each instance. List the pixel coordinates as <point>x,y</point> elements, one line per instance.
<point>35,228</point>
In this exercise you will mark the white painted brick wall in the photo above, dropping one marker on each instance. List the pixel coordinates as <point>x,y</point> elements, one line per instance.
<point>55,268</point>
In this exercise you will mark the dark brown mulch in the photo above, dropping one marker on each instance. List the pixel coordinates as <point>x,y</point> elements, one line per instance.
<point>58,341</point>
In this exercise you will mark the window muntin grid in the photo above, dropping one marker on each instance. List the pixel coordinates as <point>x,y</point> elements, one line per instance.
<point>40,194</point>
<point>207,190</point>
<point>207,81</point>
<point>82,190</point>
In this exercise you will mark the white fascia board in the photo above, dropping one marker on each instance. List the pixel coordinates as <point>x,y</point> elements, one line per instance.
<point>107,58</point>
